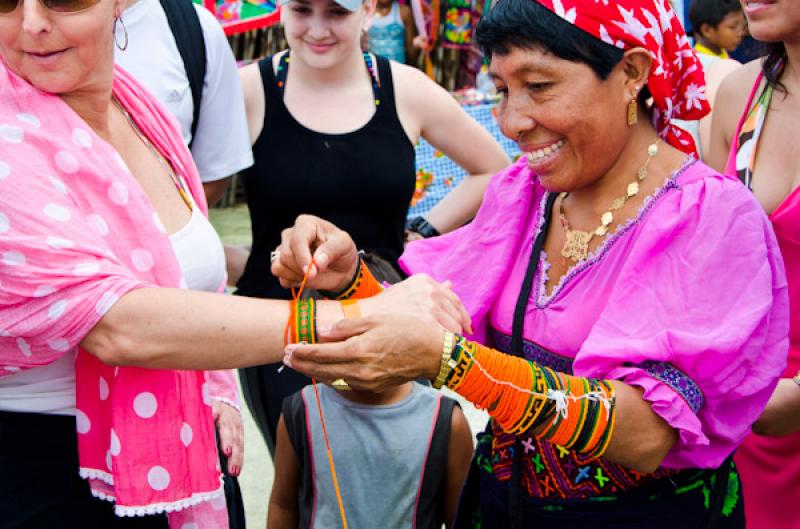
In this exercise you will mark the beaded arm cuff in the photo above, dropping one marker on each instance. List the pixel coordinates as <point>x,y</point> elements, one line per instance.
<point>522,396</point>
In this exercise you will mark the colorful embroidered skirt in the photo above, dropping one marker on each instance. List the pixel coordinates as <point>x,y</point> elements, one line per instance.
<point>679,500</point>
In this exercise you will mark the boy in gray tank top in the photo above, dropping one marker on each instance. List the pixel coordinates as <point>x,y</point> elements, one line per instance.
<point>401,457</point>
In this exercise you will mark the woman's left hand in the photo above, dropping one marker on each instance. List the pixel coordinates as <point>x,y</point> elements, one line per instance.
<point>372,353</point>
<point>231,434</point>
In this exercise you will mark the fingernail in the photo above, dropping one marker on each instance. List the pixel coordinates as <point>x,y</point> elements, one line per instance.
<point>234,470</point>
<point>287,359</point>
<point>228,450</point>
<point>325,329</point>
<point>305,269</point>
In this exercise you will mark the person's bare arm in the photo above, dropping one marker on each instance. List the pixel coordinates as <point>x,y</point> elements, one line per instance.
<point>428,108</point>
<point>169,328</point>
<point>215,190</point>
<point>283,508</point>
<point>782,415</point>
<point>255,103</point>
<point>412,52</point>
<point>459,456</point>
<point>386,350</point>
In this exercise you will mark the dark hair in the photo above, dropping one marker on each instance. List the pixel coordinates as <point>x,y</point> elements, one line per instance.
<point>711,12</point>
<point>774,64</point>
<point>382,270</point>
<point>529,25</point>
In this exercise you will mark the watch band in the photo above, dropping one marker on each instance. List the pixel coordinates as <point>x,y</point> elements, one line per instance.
<point>423,227</point>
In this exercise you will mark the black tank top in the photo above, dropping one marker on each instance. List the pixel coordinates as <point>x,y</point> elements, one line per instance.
<point>362,181</point>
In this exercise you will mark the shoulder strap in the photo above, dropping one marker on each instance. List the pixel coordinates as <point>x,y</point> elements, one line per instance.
<point>527,283</point>
<point>185,25</point>
<point>295,417</point>
<point>428,511</point>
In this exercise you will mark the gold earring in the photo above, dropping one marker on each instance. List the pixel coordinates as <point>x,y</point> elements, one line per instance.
<point>633,111</point>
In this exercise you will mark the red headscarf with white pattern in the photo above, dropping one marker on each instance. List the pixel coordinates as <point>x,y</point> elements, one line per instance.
<point>676,81</point>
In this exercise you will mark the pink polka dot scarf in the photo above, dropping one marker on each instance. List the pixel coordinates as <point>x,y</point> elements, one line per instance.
<point>676,82</point>
<point>77,232</point>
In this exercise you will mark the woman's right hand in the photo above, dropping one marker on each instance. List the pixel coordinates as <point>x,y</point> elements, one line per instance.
<point>335,255</point>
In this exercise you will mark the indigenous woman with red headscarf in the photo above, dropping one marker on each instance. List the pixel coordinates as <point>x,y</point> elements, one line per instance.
<point>632,300</point>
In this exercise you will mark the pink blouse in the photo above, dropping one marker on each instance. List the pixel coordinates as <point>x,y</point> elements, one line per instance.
<point>687,301</point>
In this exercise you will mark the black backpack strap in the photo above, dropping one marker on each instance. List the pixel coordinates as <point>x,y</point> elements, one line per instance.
<point>185,25</point>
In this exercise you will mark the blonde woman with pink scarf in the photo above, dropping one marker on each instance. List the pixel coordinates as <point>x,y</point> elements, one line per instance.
<point>105,416</point>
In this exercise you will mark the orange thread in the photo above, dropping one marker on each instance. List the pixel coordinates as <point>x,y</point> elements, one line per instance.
<point>293,304</point>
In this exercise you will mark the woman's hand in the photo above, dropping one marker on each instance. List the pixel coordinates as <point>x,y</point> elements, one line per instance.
<point>335,255</point>
<point>782,415</point>
<point>424,298</point>
<point>231,434</point>
<point>377,352</point>
<point>421,42</point>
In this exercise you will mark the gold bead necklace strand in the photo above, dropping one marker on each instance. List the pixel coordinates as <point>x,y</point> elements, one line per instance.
<point>576,242</point>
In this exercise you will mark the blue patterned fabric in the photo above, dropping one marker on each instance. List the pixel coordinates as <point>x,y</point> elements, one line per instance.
<point>442,171</point>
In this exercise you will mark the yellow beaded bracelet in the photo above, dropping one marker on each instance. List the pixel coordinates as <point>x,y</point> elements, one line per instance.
<point>447,363</point>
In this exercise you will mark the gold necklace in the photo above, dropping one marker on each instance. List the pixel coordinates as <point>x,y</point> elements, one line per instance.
<point>576,242</point>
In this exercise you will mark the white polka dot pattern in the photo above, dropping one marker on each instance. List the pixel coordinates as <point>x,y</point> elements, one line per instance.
<point>24,347</point>
<point>114,447</point>
<point>102,387</point>
<point>81,138</point>
<point>105,303</point>
<point>98,224</point>
<point>11,134</point>
<point>118,193</point>
<point>30,119</point>
<point>145,405</point>
<point>13,258</point>
<point>158,478</point>
<point>86,269</point>
<point>56,212</point>
<point>44,290</point>
<point>58,243</point>
<point>60,186</point>
<point>59,344</point>
<point>5,170</point>
<point>4,224</point>
<point>186,435</point>
<point>57,309</point>
<point>67,162</point>
<point>82,422</point>
<point>142,260</point>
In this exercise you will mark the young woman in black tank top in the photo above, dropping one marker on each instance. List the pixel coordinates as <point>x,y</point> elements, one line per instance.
<point>333,132</point>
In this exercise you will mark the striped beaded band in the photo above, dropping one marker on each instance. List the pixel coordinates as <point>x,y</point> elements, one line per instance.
<point>305,321</point>
<point>572,412</point>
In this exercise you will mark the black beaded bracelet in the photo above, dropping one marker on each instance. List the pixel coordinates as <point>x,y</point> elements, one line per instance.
<point>423,227</point>
<point>337,295</point>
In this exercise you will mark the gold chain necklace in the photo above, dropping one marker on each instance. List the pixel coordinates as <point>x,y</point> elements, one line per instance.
<point>576,242</point>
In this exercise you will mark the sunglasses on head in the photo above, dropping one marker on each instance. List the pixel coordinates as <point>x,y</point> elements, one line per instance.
<point>58,6</point>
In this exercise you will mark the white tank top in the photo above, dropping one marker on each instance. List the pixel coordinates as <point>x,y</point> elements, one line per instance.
<point>50,388</point>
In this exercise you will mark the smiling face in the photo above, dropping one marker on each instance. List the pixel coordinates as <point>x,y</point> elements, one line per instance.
<point>569,124</point>
<point>60,53</point>
<point>773,20</point>
<point>322,32</point>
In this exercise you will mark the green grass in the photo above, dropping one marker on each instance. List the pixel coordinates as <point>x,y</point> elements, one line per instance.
<point>232,224</point>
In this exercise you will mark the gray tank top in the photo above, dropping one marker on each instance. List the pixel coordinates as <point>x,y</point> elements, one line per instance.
<point>390,460</point>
